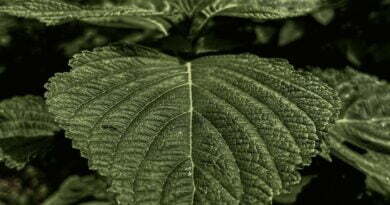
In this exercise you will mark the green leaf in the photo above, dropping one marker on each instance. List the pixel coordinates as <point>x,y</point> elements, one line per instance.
<point>277,9</point>
<point>364,123</point>
<point>378,186</point>
<point>231,128</point>
<point>264,34</point>
<point>212,42</point>
<point>81,190</point>
<point>25,125</point>
<point>324,16</point>
<point>160,14</point>
<point>259,10</point>
<point>290,32</point>
<point>52,12</point>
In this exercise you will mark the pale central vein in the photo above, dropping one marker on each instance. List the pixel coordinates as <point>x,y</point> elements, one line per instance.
<point>190,111</point>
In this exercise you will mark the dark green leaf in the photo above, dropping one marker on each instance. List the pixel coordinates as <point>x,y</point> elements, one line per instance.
<point>231,128</point>
<point>364,122</point>
<point>25,128</point>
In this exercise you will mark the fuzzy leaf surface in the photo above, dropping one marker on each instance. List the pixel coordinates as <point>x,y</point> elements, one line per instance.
<point>52,12</point>
<point>364,122</point>
<point>25,125</point>
<point>160,14</point>
<point>229,129</point>
<point>263,9</point>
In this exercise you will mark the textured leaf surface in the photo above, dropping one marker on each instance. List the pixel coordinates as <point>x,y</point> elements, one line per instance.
<point>25,124</point>
<point>263,9</point>
<point>255,9</point>
<point>81,190</point>
<point>364,122</point>
<point>160,13</point>
<point>54,12</point>
<point>229,129</point>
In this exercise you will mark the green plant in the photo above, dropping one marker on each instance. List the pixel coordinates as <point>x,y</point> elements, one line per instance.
<point>170,109</point>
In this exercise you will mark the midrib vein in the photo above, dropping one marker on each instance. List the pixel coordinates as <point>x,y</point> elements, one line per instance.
<point>190,111</point>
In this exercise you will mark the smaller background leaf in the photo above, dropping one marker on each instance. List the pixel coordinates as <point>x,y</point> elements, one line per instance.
<point>86,190</point>
<point>361,137</point>
<point>324,16</point>
<point>25,130</point>
<point>290,32</point>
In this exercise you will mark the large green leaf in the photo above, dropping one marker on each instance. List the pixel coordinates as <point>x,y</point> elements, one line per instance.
<point>159,14</point>
<point>229,129</point>
<point>364,123</point>
<point>25,128</point>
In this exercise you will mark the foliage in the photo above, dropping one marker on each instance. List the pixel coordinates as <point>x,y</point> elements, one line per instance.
<point>25,128</point>
<point>81,190</point>
<point>187,118</point>
<point>194,102</point>
<point>364,122</point>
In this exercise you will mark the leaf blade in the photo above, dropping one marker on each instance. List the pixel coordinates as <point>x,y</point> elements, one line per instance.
<point>25,125</point>
<point>184,133</point>
<point>258,10</point>
<point>364,122</point>
<point>53,12</point>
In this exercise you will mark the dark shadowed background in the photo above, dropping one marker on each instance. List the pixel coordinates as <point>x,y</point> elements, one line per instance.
<point>357,36</point>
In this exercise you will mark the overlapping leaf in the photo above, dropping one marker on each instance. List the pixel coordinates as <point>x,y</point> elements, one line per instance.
<point>256,9</point>
<point>364,123</point>
<point>25,125</point>
<point>230,129</point>
<point>52,12</point>
<point>263,9</point>
<point>159,14</point>
<point>81,190</point>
